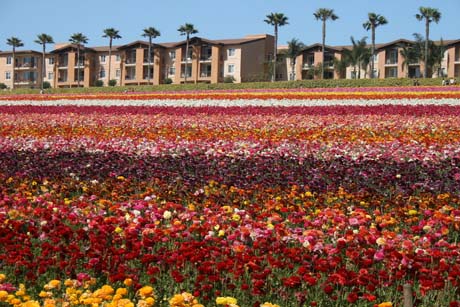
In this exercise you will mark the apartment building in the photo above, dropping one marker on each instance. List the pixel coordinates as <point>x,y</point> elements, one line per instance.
<point>208,61</point>
<point>388,62</point>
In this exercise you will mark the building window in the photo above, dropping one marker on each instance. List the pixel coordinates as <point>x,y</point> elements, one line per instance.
<point>102,73</point>
<point>172,55</point>
<point>103,58</point>
<point>8,60</point>
<point>117,58</point>
<point>172,71</point>
<point>118,73</point>
<point>8,75</point>
<point>51,61</point>
<point>50,76</point>
<point>231,68</point>
<point>231,52</point>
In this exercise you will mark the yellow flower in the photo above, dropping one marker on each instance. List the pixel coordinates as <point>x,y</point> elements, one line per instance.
<point>53,284</point>
<point>121,291</point>
<point>227,300</point>
<point>3,296</point>
<point>381,241</point>
<point>118,230</point>
<point>221,233</point>
<point>128,282</point>
<point>145,291</point>
<point>176,300</point>
<point>412,212</point>
<point>385,304</point>
<point>266,304</point>
<point>125,303</point>
<point>2,278</point>
<point>31,304</point>
<point>236,217</point>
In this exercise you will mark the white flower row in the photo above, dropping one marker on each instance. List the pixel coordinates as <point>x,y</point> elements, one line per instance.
<point>238,102</point>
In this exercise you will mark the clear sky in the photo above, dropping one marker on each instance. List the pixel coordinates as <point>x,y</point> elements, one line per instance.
<point>217,19</point>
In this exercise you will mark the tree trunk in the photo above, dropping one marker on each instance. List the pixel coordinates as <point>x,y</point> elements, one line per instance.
<point>149,60</point>
<point>14,65</point>
<point>427,37</point>
<point>324,45</point>
<point>110,60</point>
<point>373,51</point>
<point>293,69</point>
<point>43,66</point>
<point>186,60</point>
<point>78,66</point>
<point>275,53</point>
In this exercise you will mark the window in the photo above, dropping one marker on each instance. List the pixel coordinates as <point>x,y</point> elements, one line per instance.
<point>51,61</point>
<point>8,60</point>
<point>102,73</point>
<point>231,52</point>
<point>172,55</point>
<point>172,71</point>
<point>117,58</point>
<point>8,75</point>
<point>103,58</point>
<point>118,73</point>
<point>231,68</point>
<point>50,76</point>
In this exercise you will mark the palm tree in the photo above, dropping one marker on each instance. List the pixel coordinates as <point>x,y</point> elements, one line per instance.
<point>151,33</point>
<point>187,29</point>
<point>78,39</point>
<point>430,15</point>
<point>295,47</point>
<point>374,20</point>
<point>276,20</point>
<point>112,34</point>
<point>323,15</point>
<point>410,55</point>
<point>44,39</point>
<point>356,55</point>
<point>14,42</point>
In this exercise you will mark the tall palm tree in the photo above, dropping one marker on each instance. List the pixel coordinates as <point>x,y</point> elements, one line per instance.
<point>430,15</point>
<point>151,33</point>
<point>324,14</point>
<point>295,47</point>
<point>15,43</point>
<point>44,39</point>
<point>112,34</point>
<point>276,20</point>
<point>78,39</point>
<point>374,20</point>
<point>187,29</point>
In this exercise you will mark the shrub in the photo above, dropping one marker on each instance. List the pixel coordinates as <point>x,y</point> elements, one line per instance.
<point>168,81</point>
<point>46,85</point>
<point>112,82</point>
<point>98,83</point>
<point>3,86</point>
<point>229,79</point>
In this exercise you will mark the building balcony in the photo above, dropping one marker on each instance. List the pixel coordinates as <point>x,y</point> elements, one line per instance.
<point>130,61</point>
<point>189,59</point>
<point>25,81</point>
<point>25,66</point>
<point>308,66</point>
<point>205,75</point>
<point>391,62</point>
<point>205,58</point>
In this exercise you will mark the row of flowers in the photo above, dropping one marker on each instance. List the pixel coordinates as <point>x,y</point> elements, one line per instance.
<point>291,206</point>
<point>385,94</point>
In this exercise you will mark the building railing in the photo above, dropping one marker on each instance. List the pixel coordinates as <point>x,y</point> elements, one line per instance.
<point>206,58</point>
<point>183,75</point>
<point>33,80</point>
<point>391,61</point>
<point>205,75</point>
<point>26,65</point>
<point>130,78</point>
<point>130,61</point>
<point>62,79</point>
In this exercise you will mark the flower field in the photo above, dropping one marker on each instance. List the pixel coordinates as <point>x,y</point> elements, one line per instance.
<point>302,197</point>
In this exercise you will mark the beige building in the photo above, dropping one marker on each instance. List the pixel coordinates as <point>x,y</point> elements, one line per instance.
<point>208,61</point>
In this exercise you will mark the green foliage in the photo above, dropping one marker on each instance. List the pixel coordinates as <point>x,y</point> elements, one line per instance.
<point>326,83</point>
<point>46,85</point>
<point>3,86</point>
<point>168,81</point>
<point>98,83</point>
<point>112,82</point>
<point>229,79</point>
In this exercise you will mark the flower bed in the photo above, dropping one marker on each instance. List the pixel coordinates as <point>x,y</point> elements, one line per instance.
<point>310,206</point>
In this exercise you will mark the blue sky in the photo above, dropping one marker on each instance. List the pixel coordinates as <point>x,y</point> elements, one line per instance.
<point>217,19</point>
